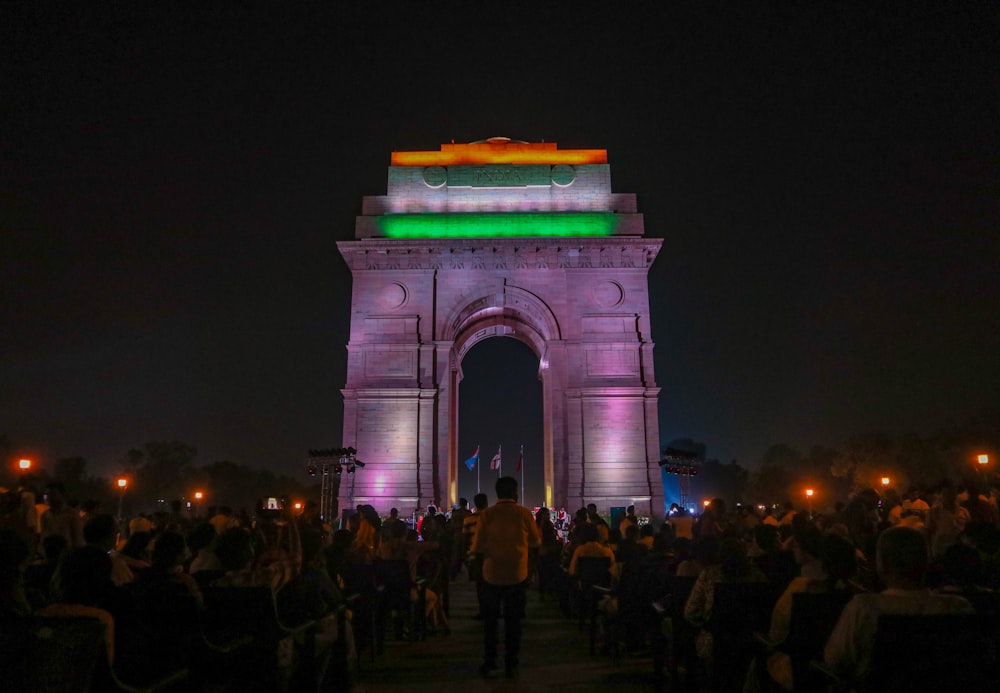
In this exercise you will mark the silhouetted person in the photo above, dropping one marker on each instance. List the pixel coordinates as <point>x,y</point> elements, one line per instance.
<point>506,537</point>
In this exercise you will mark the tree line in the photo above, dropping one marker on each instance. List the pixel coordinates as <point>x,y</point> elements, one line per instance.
<point>948,454</point>
<point>158,473</point>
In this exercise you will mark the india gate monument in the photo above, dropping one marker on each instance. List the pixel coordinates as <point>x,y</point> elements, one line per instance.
<point>501,238</point>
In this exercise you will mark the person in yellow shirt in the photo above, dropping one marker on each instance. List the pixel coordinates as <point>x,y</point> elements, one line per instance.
<point>507,539</point>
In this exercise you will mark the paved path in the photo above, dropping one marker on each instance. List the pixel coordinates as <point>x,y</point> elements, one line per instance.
<point>554,657</point>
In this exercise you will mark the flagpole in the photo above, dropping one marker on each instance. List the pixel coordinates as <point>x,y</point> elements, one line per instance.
<point>520,463</point>
<point>478,490</point>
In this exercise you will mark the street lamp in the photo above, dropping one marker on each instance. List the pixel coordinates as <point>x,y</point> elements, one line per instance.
<point>809,495</point>
<point>885,482</point>
<point>122,485</point>
<point>983,459</point>
<point>24,464</point>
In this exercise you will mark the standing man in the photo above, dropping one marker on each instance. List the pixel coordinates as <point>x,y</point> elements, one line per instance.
<point>475,561</point>
<point>508,540</point>
<point>459,547</point>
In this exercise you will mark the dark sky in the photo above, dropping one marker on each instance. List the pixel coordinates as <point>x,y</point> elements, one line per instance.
<point>172,185</point>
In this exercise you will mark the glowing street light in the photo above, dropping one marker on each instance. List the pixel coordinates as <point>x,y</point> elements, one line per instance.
<point>24,464</point>
<point>122,485</point>
<point>885,482</point>
<point>983,459</point>
<point>198,495</point>
<point>809,495</point>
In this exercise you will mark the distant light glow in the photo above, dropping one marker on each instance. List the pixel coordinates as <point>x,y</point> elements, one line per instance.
<point>983,459</point>
<point>809,492</point>
<point>24,464</point>
<point>885,481</point>
<point>122,483</point>
<point>500,153</point>
<point>497,225</point>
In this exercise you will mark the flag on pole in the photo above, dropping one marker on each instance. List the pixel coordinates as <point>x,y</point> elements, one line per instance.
<point>495,462</point>
<point>520,460</point>
<point>471,462</point>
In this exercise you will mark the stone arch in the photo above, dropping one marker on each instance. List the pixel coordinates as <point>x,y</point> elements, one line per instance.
<point>555,259</point>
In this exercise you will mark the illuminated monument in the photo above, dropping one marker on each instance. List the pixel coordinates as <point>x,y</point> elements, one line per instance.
<point>501,239</point>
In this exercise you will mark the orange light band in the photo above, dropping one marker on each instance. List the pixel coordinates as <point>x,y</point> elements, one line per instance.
<point>475,154</point>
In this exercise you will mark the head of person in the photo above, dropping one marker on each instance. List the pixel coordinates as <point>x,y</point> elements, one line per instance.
<point>586,533</point>
<point>808,545</point>
<point>100,531</point>
<point>137,546</point>
<point>463,502</point>
<point>766,538</point>
<point>57,495</point>
<point>14,554</point>
<point>901,557</point>
<point>169,551</point>
<point>234,549</point>
<point>480,500</point>
<point>312,546</point>
<point>733,558</point>
<point>201,537</point>
<point>506,488</point>
<point>839,559</point>
<point>718,507</point>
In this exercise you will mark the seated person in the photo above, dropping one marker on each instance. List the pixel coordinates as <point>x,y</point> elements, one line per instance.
<point>101,531</point>
<point>14,553</point>
<point>826,564</point>
<point>590,546</point>
<point>163,619</point>
<point>82,587</point>
<point>280,565</point>
<point>901,561</point>
<point>732,566</point>
<point>201,543</point>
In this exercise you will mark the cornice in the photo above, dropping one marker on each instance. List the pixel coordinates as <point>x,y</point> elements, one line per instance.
<point>618,252</point>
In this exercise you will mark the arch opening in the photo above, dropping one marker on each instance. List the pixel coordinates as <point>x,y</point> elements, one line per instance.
<point>501,408</point>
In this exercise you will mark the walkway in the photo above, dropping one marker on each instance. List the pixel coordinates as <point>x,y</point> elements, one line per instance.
<point>554,657</point>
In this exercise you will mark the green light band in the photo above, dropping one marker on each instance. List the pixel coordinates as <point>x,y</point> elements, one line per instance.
<point>497,225</point>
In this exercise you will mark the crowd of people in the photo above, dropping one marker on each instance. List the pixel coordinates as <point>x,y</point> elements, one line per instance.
<point>926,551</point>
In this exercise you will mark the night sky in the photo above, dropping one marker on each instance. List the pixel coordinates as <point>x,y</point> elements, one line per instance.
<point>172,185</point>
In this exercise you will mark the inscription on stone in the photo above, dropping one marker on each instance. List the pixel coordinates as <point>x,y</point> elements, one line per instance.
<point>498,176</point>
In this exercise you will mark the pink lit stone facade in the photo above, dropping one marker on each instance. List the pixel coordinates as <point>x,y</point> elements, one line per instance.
<point>580,303</point>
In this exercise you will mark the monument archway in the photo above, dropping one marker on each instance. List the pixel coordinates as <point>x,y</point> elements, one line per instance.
<point>489,239</point>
